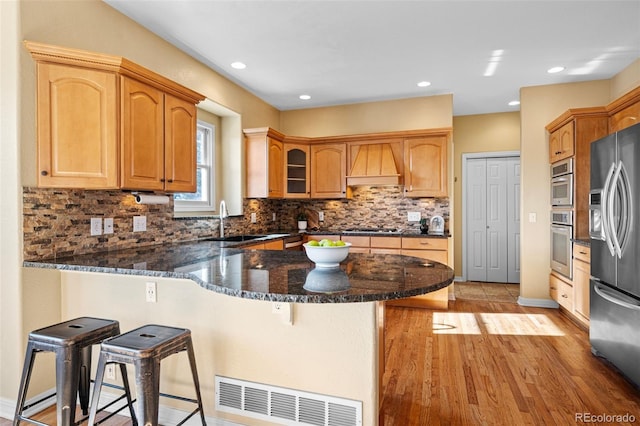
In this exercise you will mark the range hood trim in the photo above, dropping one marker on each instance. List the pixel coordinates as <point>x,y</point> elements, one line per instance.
<point>374,161</point>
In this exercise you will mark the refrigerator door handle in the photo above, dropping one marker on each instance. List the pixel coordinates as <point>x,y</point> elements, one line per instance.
<point>605,294</point>
<point>607,217</point>
<point>626,209</point>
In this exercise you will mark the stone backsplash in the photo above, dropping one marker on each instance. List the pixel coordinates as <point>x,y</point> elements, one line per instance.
<point>56,222</point>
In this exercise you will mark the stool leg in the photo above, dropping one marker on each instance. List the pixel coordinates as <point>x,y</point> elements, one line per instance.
<point>196,382</point>
<point>67,379</point>
<point>85,378</point>
<point>24,382</point>
<point>97,386</point>
<point>148,390</point>
<point>127,391</point>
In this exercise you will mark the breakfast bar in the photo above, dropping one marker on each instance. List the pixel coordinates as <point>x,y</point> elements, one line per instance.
<point>329,342</point>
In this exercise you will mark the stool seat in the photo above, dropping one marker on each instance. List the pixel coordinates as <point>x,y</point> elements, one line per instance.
<point>83,331</point>
<point>71,342</point>
<point>145,347</point>
<point>151,340</point>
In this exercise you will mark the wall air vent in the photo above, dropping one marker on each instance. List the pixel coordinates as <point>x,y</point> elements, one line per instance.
<point>285,406</point>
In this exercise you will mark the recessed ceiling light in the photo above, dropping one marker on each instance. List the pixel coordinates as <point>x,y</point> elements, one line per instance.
<point>514,103</point>
<point>305,97</point>
<point>555,70</point>
<point>238,65</point>
<point>424,84</point>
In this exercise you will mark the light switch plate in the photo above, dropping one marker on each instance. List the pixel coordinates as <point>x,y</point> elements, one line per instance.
<point>321,216</point>
<point>108,225</point>
<point>413,216</point>
<point>253,218</point>
<point>139,223</point>
<point>96,226</point>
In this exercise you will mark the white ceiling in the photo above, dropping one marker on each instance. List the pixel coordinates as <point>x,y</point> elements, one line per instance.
<point>342,52</point>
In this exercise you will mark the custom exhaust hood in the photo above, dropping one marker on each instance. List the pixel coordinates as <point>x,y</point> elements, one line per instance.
<point>373,164</point>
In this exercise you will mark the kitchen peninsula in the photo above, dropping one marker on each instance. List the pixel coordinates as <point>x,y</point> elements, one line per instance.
<point>334,345</point>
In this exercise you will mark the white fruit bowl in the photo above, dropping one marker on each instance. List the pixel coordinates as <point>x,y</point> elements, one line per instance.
<point>327,257</point>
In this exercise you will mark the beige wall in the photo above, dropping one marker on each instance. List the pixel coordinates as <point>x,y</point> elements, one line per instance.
<point>234,343</point>
<point>11,330</point>
<point>405,114</point>
<point>625,81</point>
<point>478,133</point>
<point>330,349</point>
<point>539,106</point>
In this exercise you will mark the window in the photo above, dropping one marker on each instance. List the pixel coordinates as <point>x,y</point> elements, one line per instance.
<point>203,199</point>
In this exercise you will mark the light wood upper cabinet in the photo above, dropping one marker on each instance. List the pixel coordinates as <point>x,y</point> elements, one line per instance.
<point>105,123</point>
<point>77,127</point>
<point>297,171</point>
<point>624,111</point>
<point>561,143</point>
<point>158,140</point>
<point>264,153</point>
<point>579,127</point>
<point>142,136</point>
<point>425,166</point>
<point>180,148</point>
<point>328,171</point>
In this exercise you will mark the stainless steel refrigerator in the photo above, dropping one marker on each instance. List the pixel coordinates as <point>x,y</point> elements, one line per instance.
<point>614,216</point>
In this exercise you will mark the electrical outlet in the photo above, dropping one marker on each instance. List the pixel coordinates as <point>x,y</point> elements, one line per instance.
<point>110,371</point>
<point>284,310</point>
<point>413,216</point>
<point>253,218</point>
<point>108,225</point>
<point>321,216</point>
<point>273,217</point>
<point>139,223</point>
<point>152,295</point>
<point>96,226</point>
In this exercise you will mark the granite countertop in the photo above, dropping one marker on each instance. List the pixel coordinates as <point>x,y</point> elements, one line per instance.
<point>268,274</point>
<point>582,241</point>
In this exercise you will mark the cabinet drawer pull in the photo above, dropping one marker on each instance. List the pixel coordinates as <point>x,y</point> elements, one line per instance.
<point>565,296</point>
<point>44,173</point>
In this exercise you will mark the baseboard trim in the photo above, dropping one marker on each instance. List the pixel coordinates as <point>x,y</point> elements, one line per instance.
<point>537,303</point>
<point>166,415</point>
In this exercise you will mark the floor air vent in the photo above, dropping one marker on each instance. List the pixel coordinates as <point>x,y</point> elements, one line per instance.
<point>285,406</point>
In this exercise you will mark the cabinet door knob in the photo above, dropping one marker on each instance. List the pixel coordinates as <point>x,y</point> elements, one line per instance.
<point>170,180</point>
<point>44,173</point>
<point>162,180</point>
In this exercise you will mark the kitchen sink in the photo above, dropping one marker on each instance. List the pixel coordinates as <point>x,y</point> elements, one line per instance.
<point>237,238</point>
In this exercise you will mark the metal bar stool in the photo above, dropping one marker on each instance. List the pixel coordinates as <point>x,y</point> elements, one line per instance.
<point>71,342</point>
<point>145,347</point>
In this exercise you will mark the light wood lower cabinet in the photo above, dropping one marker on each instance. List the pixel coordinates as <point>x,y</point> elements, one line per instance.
<point>267,245</point>
<point>385,245</point>
<point>359,244</point>
<point>573,295</point>
<point>581,282</point>
<point>429,249</point>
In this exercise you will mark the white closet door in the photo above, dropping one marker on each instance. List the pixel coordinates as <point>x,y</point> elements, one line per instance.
<point>497,220</point>
<point>513,219</point>
<point>476,205</point>
<point>492,206</point>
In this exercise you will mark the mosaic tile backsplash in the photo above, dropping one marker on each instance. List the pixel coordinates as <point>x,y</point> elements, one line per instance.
<point>56,222</point>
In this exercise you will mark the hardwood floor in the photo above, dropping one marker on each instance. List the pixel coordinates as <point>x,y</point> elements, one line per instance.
<point>495,363</point>
<point>484,362</point>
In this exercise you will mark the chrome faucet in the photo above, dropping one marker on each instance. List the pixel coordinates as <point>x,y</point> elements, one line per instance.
<point>223,214</point>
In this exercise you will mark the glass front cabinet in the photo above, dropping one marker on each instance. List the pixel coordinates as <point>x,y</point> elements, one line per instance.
<point>297,171</point>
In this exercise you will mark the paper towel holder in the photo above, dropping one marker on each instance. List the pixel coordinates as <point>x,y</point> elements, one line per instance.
<point>142,198</point>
